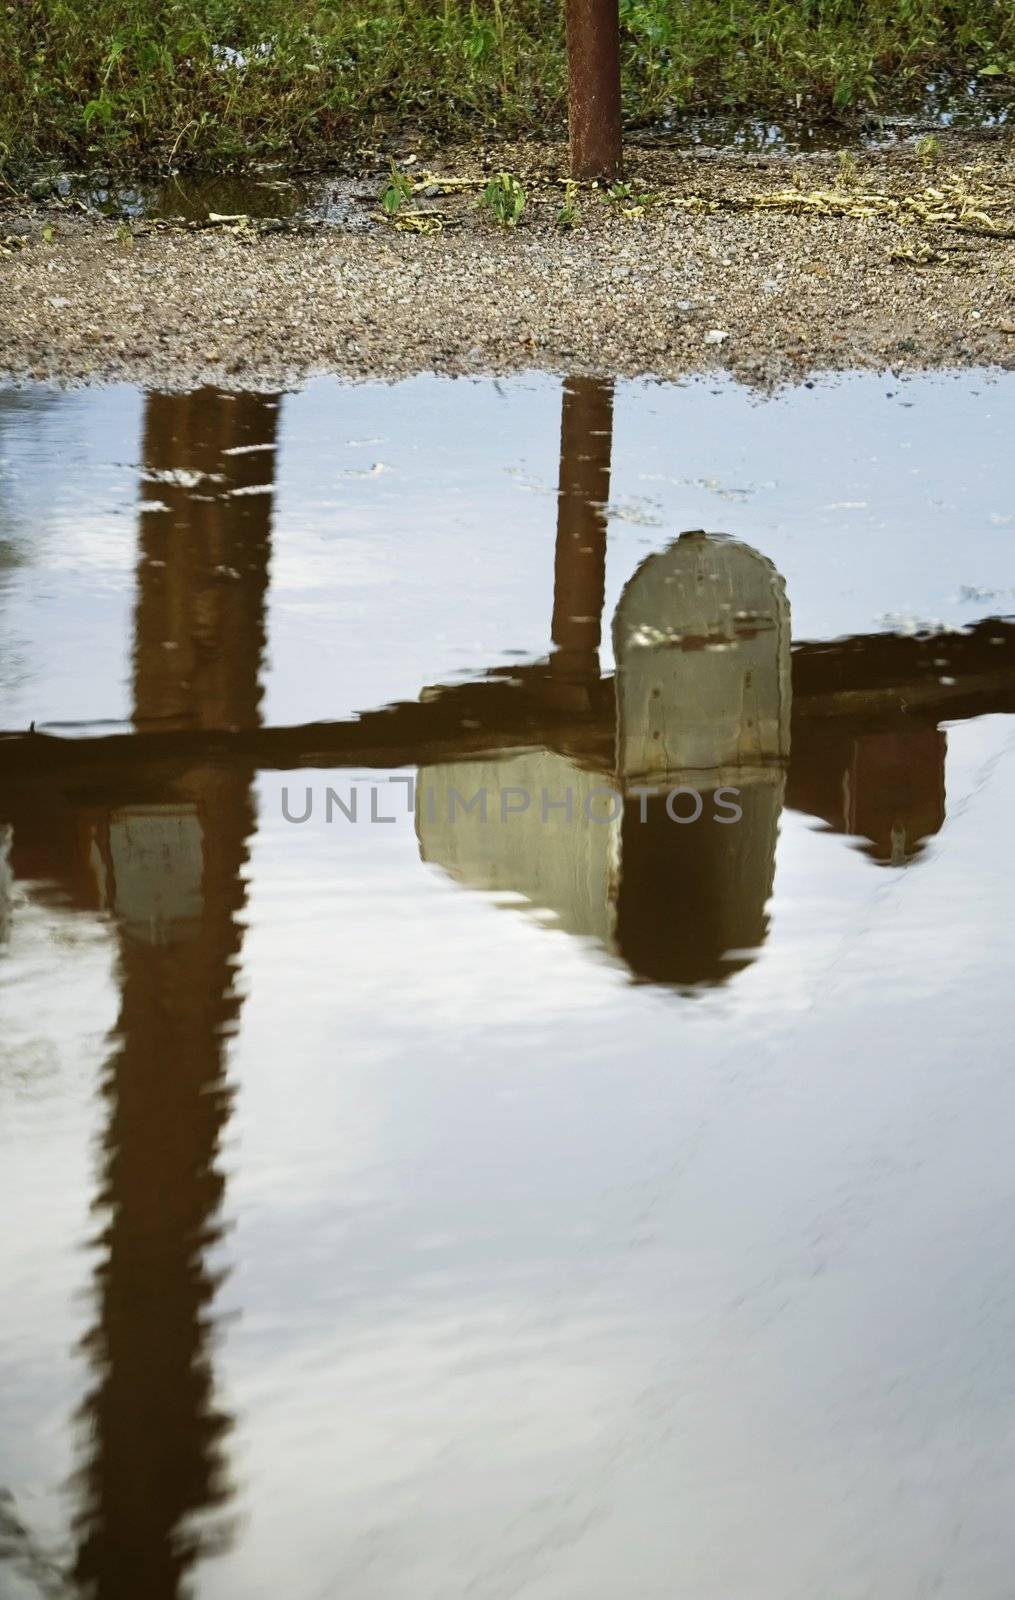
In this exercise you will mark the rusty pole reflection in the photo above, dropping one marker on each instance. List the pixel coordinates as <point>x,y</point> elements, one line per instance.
<point>579,571</point>
<point>203,564</point>
<point>172,861</point>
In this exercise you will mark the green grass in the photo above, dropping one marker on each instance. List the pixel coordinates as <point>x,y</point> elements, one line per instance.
<point>137,83</point>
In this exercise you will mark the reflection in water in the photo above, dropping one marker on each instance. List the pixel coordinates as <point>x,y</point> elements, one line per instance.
<point>701,640</point>
<point>16,541</point>
<point>691,899</point>
<point>702,702</point>
<point>6,883</point>
<point>702,699</point>
<point>209,464</point>
<point>170,869</point>
<point>156,1433</point>
<point>579,576</point>
<point>154,827</point>
<point>884,786</point>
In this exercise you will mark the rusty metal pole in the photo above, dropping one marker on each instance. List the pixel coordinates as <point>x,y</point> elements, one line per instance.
<point>593,88</point>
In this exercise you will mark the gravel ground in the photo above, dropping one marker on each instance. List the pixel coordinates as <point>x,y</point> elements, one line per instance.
<point>772,295</point>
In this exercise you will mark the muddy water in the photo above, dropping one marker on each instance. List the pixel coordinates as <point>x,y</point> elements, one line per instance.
<point>506,991</point>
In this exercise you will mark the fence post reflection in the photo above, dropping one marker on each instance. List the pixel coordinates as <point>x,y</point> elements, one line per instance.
<point>579,572</point>
<point>171,863</point>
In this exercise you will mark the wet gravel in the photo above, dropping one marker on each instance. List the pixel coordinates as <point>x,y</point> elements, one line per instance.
<point>769,295</point>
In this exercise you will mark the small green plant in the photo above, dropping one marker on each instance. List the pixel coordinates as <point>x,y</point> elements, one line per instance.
<point>101,109</point>
<point>928,148</point>
<point>567,216</point>
<point>504,198</point>
<point>630,205</point>
<point>395,192</point>
<point>848,170</point>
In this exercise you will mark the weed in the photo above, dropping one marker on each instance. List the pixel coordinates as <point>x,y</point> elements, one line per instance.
<point>504,198</point>
<point>848,170</point>
<point>631,205</point>
<point>396,190</point>
<point>928,148</point>
<point>222,83</point>
<point>567,216</point>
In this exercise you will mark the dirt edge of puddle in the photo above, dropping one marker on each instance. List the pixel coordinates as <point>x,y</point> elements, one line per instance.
<point>886,262</point>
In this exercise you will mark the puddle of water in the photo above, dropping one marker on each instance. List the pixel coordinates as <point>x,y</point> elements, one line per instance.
<point>411,526</point>
<point>503,1083</point>
<point>967,103</point>
<point>189,197</point>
